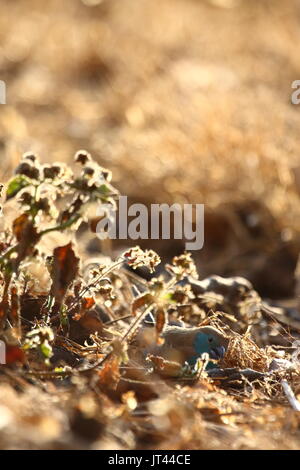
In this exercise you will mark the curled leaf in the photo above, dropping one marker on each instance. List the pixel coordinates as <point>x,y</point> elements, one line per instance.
<point>141,301</point>
<point>161,318</point>
<point>64,270</point>
<point>109,375</point>
<point>27,236</point>
<point>19,225</point>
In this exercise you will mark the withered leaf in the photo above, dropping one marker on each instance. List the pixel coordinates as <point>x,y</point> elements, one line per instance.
<point>27,236</point>
<point>165,368</point>
<point>19,225</point>
<point>15,308</point>
<point>87,303</point>
<point>141,301</point>
<point>90,321</point>
<point>160,322</point>
<point>64,270</point>
<point>4,309</point>
<point>109,375</point>
<point>14,354</point>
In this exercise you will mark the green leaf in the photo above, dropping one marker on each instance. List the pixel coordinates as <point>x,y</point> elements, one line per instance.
<point>46,349</point>
<point>16,184</point>
<point>169,297</point>
<point>104,189</point>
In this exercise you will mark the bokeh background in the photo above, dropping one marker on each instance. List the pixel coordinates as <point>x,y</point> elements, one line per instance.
<point>184,100</point>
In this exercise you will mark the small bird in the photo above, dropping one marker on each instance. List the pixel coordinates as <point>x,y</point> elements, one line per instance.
<point>186,344</point>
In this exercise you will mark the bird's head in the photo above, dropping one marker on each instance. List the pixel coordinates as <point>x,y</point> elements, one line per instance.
<point>209,340</point>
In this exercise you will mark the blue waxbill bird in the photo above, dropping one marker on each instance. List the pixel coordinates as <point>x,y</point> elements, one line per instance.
<point>187,344</point>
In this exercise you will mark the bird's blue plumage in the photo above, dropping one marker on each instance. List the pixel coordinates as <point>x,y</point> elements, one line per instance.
<point>205,343</point>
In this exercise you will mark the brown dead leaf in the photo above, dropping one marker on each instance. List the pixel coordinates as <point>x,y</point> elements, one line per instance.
<point>64,270</point>
<point>141,301</point>
<point>165,368</point>
<point>160,322</point>
<point>14,314</point>
<point>86,304</point>
<point>109,375</point>
<point>4,309</point>
<point>19,225</point>
<point>27,236</point>
<point>14,354</point>
<point>90,321</point>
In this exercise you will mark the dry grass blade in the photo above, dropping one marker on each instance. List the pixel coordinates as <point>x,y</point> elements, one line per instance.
<point>295,404</point>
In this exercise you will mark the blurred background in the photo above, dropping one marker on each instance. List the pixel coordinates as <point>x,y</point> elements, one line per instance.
<point>185,101</point>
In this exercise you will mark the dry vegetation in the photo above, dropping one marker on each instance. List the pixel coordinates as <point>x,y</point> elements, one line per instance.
<point>185,101</point>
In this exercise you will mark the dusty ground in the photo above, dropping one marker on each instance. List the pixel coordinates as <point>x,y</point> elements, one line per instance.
<point>185,101</point>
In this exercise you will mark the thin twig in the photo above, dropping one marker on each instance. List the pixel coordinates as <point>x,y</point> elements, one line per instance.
<point>295,404</point>
<point>94,284</point>
<point>111,322</point>
<point>130,330</point>
<point>60,227</point>
<point>283,323</point>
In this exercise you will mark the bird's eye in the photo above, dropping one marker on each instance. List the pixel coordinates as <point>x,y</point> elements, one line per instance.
<point>210,340</point>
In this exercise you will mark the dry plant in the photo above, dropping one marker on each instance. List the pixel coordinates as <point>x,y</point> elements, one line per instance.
<point>81,329</point>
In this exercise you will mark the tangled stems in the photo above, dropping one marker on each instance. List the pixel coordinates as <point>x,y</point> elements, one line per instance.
<point>56,228</point>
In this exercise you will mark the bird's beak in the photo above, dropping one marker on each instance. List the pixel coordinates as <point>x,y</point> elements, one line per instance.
<point>217,353</point>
